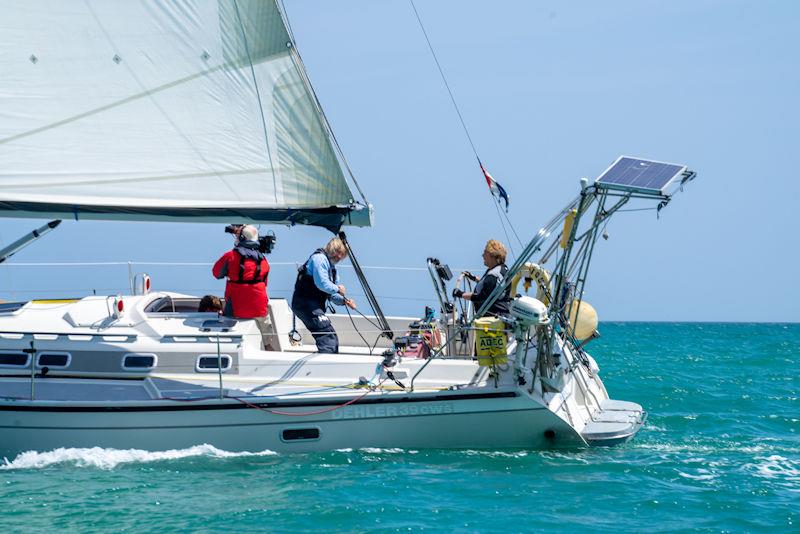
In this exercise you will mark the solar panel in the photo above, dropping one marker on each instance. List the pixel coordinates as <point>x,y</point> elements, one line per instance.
<point>640,175</point>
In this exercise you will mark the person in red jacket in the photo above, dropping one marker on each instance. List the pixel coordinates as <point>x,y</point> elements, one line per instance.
<point>247,270</point>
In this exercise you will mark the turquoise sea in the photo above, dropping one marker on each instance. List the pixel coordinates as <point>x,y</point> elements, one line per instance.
<point>720,453</point>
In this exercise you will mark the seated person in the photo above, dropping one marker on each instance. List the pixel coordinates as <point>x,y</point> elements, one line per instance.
<point>210,303</point>
<point>494,258</point>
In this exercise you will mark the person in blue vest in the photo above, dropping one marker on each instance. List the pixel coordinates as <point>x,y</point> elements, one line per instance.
<point>318,284</point>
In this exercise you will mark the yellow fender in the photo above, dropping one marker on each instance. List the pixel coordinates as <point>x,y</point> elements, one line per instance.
<point>531,272</point>
<point>583,318</point>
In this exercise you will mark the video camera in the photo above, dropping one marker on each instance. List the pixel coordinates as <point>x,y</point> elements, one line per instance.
<point>265,242</point>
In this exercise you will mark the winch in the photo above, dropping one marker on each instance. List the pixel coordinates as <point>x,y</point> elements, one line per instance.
<point>421,339</point>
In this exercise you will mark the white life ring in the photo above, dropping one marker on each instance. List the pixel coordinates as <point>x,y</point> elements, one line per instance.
<point>533,272</point>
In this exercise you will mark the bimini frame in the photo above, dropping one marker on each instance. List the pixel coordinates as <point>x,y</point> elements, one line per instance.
<point>577,239</point>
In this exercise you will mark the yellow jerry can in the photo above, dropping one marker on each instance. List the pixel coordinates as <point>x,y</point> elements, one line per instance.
<point>490,341</point>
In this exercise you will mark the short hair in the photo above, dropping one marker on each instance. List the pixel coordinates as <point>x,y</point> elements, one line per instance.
<point>249,233</point>
<point>335,247</point>
<point>210,303</point>
<point>496,250</point>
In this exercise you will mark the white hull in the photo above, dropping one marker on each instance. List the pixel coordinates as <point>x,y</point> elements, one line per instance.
<point>290,400</point>
<point>499,422</point>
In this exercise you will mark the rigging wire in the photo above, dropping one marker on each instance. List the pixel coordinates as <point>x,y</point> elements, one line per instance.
<point>504,214</point>
<point>444,79</point>
<point>503,226</point>
<point>463,123</point>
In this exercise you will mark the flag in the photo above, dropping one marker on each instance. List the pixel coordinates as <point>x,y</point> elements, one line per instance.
<point>497,190</point>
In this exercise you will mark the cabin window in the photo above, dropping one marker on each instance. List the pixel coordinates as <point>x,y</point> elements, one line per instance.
<point>208,363</point>
<point>11,307</point>
<point>54,360</point>
<point>173,305</point>
<point>14,359</point>
<point>138,362</point>
<point>300,434</point>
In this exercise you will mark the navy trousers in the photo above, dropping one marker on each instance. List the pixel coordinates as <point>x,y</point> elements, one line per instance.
<point>318,324</point>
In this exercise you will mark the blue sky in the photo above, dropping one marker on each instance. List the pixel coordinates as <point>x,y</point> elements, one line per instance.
<point>551,92</point>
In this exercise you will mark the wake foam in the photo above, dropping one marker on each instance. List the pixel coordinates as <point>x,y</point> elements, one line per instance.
<point>776,467</point>
<point>101,458</point>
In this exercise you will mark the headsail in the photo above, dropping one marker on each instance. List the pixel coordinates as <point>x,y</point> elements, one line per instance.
<point>188,111</point>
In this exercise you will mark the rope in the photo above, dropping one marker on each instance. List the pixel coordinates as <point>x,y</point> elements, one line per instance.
<point>303,414</point>
<point>276,412</point>
<point>347,309</point>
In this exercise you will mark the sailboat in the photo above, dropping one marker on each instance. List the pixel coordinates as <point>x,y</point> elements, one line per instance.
<point>202,112</point>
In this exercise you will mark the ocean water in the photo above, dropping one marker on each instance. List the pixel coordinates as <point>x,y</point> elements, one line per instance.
<point>720,453</point>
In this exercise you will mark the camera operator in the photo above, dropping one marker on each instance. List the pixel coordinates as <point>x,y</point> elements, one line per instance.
<point>247,270</point>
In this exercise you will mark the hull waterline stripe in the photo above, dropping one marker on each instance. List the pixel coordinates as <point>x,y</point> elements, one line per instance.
<point>273,423</point>
<point>189,404</point>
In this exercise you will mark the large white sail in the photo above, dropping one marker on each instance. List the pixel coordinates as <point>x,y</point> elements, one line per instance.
<point>162,110</point>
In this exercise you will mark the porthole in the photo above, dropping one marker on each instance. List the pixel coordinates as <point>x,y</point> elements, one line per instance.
<point>209,363</point>
<point>14,359</point>
<point>54,360</point>
<point>300,434</point>
<point>139,362</point>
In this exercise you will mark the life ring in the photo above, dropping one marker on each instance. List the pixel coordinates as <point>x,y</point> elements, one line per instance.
<point>530,272</point>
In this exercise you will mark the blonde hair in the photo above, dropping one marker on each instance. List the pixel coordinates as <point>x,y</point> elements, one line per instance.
<point>335,247</point>
<point>496,250</point>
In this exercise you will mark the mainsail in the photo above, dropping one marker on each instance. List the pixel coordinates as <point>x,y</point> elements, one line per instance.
<point>193,110</point>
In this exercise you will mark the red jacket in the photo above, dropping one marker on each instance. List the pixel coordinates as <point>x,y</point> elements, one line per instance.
<point>245,295</point>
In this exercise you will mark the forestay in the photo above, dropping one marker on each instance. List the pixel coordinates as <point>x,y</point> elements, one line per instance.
<point>193,111</point>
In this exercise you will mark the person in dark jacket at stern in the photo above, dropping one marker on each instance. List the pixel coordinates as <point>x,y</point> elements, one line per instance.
<point>494,258</point>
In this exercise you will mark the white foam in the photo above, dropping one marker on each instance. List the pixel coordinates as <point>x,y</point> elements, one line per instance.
<point>101,458</point>
<point>378,450</point>
<point>496,454</point>
<point>698,448</point>
<point>776,466</point>
<point>702,474</point>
